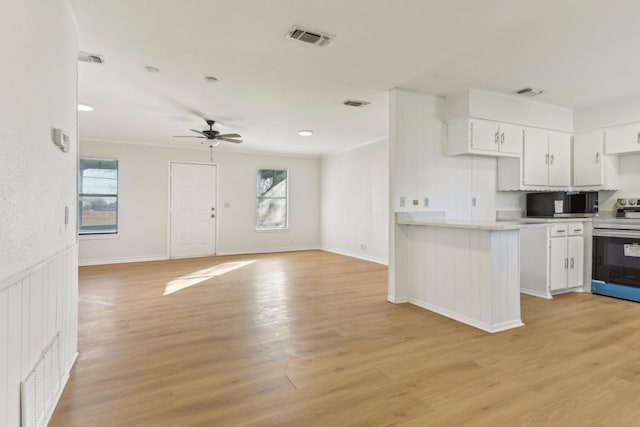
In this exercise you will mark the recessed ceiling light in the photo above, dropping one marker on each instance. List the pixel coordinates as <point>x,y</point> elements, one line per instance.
<point>151,69</point>
<point>83,107</point>
<point>210,79</point>
<point>305,132</point>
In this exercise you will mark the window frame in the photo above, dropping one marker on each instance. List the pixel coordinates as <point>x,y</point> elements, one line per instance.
<point>98,233</point>
<point>285,227</point>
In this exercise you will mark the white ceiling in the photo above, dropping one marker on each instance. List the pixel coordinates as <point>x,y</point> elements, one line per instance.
<point>581,52</point>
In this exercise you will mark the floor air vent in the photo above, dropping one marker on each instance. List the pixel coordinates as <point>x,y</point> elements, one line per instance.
<point>316,38</point>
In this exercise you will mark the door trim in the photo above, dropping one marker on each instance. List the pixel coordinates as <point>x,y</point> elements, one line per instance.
<point>215,223</point>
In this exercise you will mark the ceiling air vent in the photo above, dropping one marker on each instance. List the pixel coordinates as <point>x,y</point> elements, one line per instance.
<point>316,38</point>
<point>355,103</point>
<point>528,91</point>
<point>90,57</point>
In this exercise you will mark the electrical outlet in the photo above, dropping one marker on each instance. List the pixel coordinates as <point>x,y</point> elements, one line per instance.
<point>426,202</point>
<point>402,201</point>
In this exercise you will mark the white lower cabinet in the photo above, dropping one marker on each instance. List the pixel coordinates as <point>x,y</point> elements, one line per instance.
<point>552,259</point>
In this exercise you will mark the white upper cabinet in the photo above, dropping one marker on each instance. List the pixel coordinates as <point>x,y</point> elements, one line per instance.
<point>559,159</point>
<point>535,158</point>
<point>545,163</point>
<point>623,139</point>
<point>591,168</point>
<point>474,136</point>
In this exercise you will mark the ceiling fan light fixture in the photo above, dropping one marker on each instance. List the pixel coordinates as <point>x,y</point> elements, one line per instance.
<point>84,107</point>
<point>305,132</point>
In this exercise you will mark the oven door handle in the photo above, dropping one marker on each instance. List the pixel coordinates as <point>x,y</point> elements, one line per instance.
<point>632,234</point>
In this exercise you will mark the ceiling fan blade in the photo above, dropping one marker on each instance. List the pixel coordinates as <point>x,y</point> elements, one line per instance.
<point>229,135</point>
<point>187,136</point>
<point>197,131</point>
<point>237,141</point>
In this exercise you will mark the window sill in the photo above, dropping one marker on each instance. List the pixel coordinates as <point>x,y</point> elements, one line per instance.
<point>270,230</point>
<point>98,236</point>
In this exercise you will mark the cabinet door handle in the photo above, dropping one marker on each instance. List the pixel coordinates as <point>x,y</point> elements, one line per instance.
<point>566,263</point>
<point>502,138</point>
<point>572,263</point>
<point>495,137</point>
<point>597,157</point>
<point>552,159</point>
<point>547,159</point>
<point>638,137</point>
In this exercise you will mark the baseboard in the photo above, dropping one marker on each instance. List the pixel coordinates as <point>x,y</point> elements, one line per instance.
<point>63,384</point>
<point>393,299</point>
<point>356,255</point>
<point>88,262</point>
<point>487,327</point>
<point>268,250</point>
<point>535,293</point>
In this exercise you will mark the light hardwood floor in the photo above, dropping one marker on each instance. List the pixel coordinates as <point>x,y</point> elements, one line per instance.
<point>308,339</point>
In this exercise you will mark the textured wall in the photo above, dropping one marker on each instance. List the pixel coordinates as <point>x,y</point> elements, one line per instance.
<point>38,86</point>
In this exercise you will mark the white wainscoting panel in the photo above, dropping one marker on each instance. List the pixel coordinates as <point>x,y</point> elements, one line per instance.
<point>38,312</point>
<point>468,275</point>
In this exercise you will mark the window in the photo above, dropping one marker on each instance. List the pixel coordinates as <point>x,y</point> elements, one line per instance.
<point>272,199</point>
<point>98,196</point>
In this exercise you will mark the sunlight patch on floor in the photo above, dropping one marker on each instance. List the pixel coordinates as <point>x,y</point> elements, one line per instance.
<point>200,276</point>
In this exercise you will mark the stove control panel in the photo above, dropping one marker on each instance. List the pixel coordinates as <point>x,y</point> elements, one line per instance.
<point>628,208</point>
<point>627,203</point>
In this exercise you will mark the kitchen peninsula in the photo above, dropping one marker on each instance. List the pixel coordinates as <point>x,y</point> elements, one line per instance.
<point>465,270</point>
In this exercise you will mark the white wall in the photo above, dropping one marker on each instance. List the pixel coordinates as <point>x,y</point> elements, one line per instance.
<point>355,199</point>
<point>144,202</point>
<point>423,169</point>
<point>38,261</point>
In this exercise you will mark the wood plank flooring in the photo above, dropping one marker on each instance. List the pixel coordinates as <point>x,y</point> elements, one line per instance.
<point>308,339</point>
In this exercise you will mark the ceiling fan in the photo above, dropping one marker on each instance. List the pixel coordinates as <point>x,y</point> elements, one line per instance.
<point>213,135</point>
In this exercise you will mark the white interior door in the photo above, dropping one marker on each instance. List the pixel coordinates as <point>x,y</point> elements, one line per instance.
<point>193,210</point>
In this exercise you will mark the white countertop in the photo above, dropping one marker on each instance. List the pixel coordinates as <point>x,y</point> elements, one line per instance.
<point>415,218</point>
<point>553,220</point>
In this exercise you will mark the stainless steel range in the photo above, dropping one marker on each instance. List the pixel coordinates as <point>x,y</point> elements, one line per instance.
<point>616,252</point>
<point>628,208</point>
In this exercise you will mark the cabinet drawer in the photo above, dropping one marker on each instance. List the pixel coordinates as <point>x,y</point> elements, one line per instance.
<point>576,229</point>
<point>558,230</point>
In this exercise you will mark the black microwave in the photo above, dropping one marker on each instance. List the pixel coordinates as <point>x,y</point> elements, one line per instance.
<point>562,204</point>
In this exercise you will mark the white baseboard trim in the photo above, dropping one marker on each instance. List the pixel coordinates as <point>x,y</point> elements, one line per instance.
<point>393,299</point>
<point>87,262</point>
<point>487,327</point>
<point>356,255</point>
<point>63,384</point>
<point>268,250</point>
<point>535,293</point>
